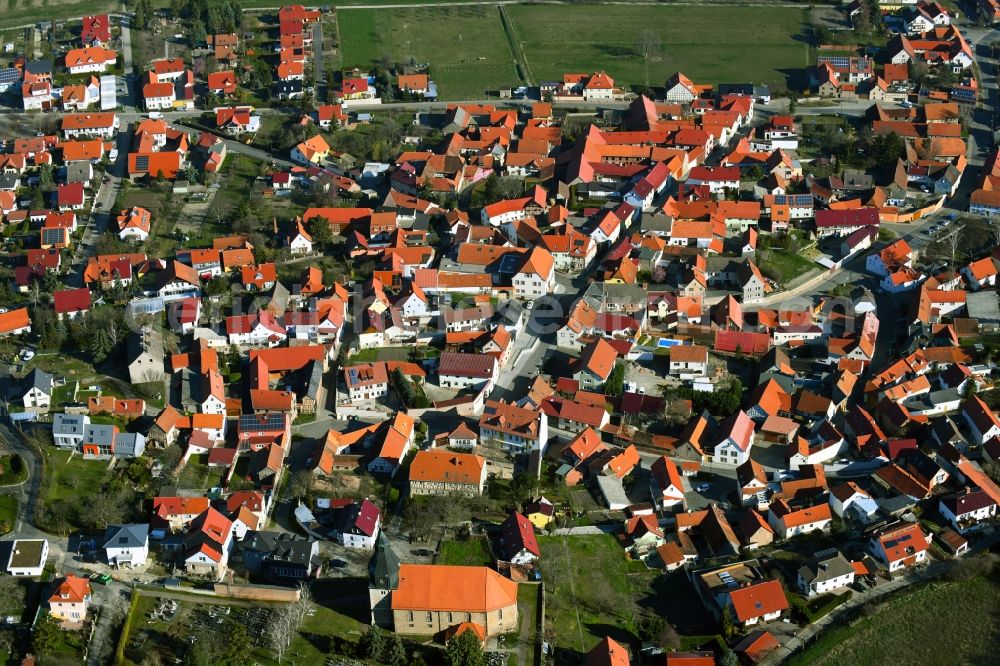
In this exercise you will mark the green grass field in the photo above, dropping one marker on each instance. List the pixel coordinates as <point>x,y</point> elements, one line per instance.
<point>918,628</point>
<point>26,12</point>
<point>468,50</point>
<point>475,552</point>
<point>74,479</point>
<point>339,619</point>
<point>198,475</point>
<point>710,44</point>
<point>8,513</point>
<point>789,265</point>
<point>465,46</point>
<point>582,607</point>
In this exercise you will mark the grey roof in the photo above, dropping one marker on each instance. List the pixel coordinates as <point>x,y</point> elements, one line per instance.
<point>79,172</point>
<point>135,535</point>
<point>598,294</point>
<point>9,181</point>
<point>932,399</point>
<point>148,341</point>
<point>39,66</point>
<point>826,569</point>
<point>983,305</point>
<point>946,431</point>
<point>383,568</point>
<point>612,489</point>
<point>279,298</point>
<point>279,546</point>
<point>659,223</point>
<point>509,312</point>
<point>40,380</point>
<point>314,379</point>
<point>130,443</point>
<point>68,424</point>
<point>100,434</point>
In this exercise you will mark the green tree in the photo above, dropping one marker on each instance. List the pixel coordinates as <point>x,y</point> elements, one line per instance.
<point>650,628</point>
<point>465,650</point>
<point>46,635</point>
<point>238,648</point>
<point>729,659</point>
<point>728,623</point>
<point>372,643</point>
<point>393,652</point>
<point>321,232</point>
<point>616,381</point>
<point>404,387</point>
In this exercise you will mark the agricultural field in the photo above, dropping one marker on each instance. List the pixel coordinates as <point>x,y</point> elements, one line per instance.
<point>465,46</point>
<point>643,45</point>
<point>918,628</point>
<point>25,12</point>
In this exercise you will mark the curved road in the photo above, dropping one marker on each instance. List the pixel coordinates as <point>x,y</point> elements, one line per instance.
<point>28,489</point>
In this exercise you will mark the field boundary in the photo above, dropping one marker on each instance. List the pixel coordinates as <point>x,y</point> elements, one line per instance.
<point>516,51</point>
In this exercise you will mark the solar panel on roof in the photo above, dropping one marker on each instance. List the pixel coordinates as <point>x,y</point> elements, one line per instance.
<point>53,236</point>
<point>142,163</point>
<point>836,61</point>
<point>9,75</point>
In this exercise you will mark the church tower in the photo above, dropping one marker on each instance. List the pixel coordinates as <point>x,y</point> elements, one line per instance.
<point>383,578</point>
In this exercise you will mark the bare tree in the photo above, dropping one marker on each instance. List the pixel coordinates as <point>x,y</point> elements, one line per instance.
<point>285,622</point>
<point>649,42</point>
<point>115,608</point>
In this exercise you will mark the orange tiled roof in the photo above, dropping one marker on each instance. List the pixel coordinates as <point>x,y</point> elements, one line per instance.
<point>432,587</point>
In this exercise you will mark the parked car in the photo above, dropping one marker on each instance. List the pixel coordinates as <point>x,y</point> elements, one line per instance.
<point>703,487</point>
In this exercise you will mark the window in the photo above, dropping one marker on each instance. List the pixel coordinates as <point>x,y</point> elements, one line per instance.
<point>429,617</point>
<point>500,614</point>
<point>409,616</point>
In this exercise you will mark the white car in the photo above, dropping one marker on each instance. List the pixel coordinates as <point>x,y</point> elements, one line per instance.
<point>27,355</point>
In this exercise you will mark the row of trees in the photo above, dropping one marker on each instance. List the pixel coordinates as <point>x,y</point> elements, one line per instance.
<point>375,645</point>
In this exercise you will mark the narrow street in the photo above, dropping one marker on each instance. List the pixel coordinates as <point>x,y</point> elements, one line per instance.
<point>102,210</point>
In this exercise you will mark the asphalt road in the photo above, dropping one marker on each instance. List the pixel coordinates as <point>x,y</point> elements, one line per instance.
<point>102,210</point>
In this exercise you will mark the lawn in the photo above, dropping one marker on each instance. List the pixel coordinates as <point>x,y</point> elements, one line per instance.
<point>919,628</point>
<point>474,552</point>
<point>63,394</point>
<point>12,471</point>
<point>340,618</point>
<point>198,475</point>
<point>70,484</point>
<point>588,592</point>
<point>13,596</point>
<point>708,43</point>
<point>8,513</point>
<point>783,266</point>
<point>465,46</point>
<point>380,354</point>
<point>73,478</point>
